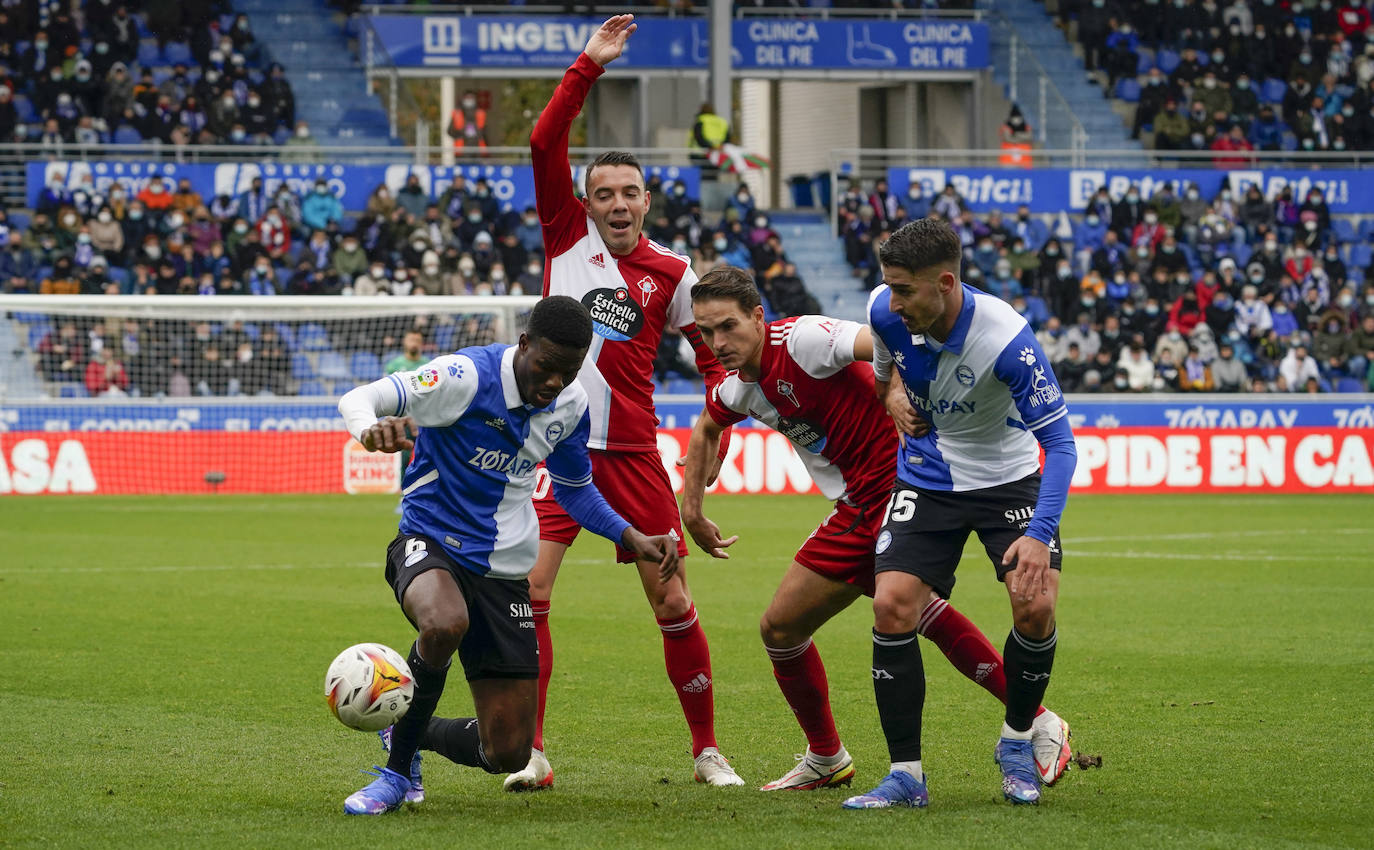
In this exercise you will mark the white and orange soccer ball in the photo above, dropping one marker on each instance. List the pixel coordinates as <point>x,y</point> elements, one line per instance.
<point>369,687</point>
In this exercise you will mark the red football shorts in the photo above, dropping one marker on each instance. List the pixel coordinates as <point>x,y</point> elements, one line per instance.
<point>841,549</point>
<point>635,485</point>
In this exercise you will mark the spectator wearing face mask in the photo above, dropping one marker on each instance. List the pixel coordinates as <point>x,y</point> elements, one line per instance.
<point>1297,368</point>
<point>375,282</point>
<point>274,233</point>
<point>321,208</point>
<point>467,124</point>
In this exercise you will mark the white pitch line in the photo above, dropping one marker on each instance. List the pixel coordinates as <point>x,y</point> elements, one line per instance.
<point>1211,556</point>
<point>1210,535</point>
<point>190,568</point>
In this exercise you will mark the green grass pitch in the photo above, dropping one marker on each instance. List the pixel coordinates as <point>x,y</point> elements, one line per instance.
<point>164,660</point>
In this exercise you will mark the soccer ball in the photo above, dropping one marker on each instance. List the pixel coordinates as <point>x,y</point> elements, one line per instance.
<point>368,687</point>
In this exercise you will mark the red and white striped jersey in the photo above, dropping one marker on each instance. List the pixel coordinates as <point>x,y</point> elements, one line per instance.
<point>812,391</point>
<point>632,298</point>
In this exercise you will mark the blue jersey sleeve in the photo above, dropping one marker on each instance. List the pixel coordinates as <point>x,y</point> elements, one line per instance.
<point>1023,367</point>
<point>570,468</point>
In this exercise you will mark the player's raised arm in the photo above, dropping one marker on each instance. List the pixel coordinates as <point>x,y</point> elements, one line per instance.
<point>554,194</point>
<point>702,448</point>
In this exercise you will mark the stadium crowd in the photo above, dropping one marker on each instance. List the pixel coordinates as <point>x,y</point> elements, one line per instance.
<point>169,71</point>
<point>1232,77</point>
<point>167,239</point>
<point>1166,293</point>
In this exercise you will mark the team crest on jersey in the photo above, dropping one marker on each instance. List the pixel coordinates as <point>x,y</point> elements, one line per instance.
<point>789,392</point>
<point>554,432</point>
<point>424,380</point>
<point>647,287</point>
<point>964,375</point>
<point>884,541</point>
<point>615,315</point>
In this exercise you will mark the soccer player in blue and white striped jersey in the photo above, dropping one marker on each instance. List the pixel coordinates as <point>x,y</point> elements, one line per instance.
<point>486,418</point>
<point>974,371</point>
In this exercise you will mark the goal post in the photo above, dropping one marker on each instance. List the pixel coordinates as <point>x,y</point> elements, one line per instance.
<point>212,394</point>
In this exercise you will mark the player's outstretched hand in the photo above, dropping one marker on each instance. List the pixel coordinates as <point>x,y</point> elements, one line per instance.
<point>903,414</point>
<point>661,548</point>
<point>706,535</point>
<point>1032,559</point>
<point>392,434</point>
<point>715,466</point>
<point>608,42</point>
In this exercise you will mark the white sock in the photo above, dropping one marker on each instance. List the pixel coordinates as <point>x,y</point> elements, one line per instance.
<point>1008,732</point>
<point>838,757</point>
<point>912,768</point>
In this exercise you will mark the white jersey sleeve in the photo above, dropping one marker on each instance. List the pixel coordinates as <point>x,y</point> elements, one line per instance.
<point>822,346</point>
<point>438,392</point>
<point>680,308</point>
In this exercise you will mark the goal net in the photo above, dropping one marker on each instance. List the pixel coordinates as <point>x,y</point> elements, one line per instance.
<point>185,394</point>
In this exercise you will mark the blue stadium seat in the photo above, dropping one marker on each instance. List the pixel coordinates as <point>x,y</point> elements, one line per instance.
<point>252,331</point>
<point>1349,385</point>
<point>37,331</point>
<point>341,387</point>
<point>1366,228</point>
<point>312,337</point>
<point>443,337</point>
<point>312,388</point>
<point>19,220</point>
<point>126,135</point>
<point>286,334</point>
<point>1146,60</point>
<point>682,386</point>
<point>1355,277</point>
<point>1360,254</point>
<point>1272,90</point>
<point>1127,89</point>
<point>148,54</point>
<point>365,366</point>
<point>1343,230</point>
<point>177,51</point>
<point>72,391</point>
<point>30,318</point>
<point>1242,254</point>
<point>1167,60</point>
<point>301,367</point>
<point>1289,142</point>
<point>332,365</point>
<point>23,107</point>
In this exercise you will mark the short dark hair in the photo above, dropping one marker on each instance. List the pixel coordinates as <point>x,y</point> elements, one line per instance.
<point>562,321</point>
<point>920,244</point>
<point>728,283</point>
<point>612,158</point>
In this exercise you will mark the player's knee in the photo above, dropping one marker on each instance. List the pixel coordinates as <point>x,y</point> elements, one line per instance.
<point>777,633</point>
<point>1035,619</point>
<point>893,613</point>
<point>441,636</point>
<point>674,603</point>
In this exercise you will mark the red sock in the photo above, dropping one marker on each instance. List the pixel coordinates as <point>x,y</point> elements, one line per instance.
<point>801,676</point>
<point>966,647</point>
<point>541,634</point>
<point>688,659</point>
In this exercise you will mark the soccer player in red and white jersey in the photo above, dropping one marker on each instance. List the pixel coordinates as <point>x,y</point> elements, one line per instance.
<point>807,378</point>
<point>634,288</point>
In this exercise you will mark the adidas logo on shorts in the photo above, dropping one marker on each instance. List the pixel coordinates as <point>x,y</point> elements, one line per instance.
<point>698,684</point>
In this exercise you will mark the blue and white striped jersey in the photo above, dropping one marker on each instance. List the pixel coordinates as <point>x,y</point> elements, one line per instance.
<point>988,393</point>
<point>470,483</point>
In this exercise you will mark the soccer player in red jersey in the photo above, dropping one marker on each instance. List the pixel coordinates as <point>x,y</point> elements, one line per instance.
<point>634,289</point>
<point>807,377</point>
